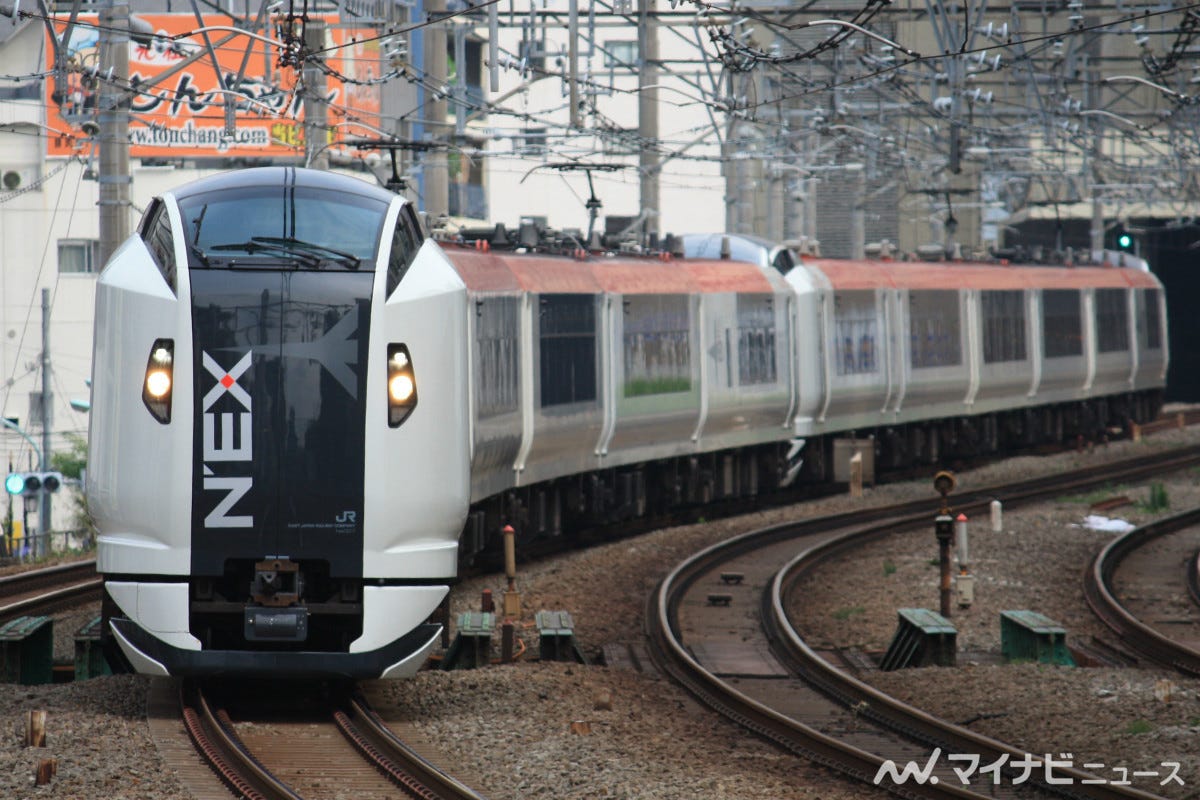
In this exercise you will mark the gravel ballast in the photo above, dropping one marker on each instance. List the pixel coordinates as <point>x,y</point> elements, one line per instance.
<point>642,737</point>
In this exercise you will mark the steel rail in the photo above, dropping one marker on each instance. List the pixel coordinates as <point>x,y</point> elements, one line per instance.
<point>65,585</point>
<point>217,743</point>
<point>1100,595</point>
<point>402,765</point>
<point>1193,578</point>
<point>672,656</point>
<point>21,581</point>
<point>884,709</point>
<point>53,600</point>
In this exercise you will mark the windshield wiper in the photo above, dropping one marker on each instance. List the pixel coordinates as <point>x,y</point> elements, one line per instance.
<point>290,241</point>
<point>254,246</point>
<point>200,255</point>
<point>195,248</point>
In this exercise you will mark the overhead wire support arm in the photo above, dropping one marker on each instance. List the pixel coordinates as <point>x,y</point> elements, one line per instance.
<point>592,204</point>
<point>396,183</point>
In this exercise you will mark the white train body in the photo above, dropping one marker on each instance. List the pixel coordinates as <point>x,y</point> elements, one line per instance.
<point>294,507</point>
<point>680,382</point>
<point>269,518</point>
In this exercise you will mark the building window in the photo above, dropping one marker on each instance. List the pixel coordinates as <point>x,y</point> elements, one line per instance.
<point>530,142</point>
<point>1112,321</point>
<point>935,339</point>
<point>1003,326</point>
<point>621,54</point>
<point>77,255</point>
<point>1062,324</point>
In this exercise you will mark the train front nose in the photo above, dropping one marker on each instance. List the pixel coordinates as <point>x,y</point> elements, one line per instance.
<point>279,435</point>
<point>295,532</point>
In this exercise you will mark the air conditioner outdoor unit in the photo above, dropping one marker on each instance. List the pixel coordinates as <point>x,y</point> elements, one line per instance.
<point>13,178</point>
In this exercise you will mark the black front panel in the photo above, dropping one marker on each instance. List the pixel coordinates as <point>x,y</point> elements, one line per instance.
<point>280,388</point>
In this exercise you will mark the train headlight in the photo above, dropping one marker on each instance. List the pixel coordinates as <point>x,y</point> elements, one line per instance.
<point>160,373</point>
<point>401,384</point>
<point>400,389</point>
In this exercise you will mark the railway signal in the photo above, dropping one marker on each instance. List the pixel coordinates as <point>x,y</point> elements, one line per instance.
<point>1122,238</point>
<point>30,484</point>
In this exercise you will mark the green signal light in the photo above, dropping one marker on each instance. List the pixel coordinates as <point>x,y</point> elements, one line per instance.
<point>14,483</point>
<point>1124,240</point>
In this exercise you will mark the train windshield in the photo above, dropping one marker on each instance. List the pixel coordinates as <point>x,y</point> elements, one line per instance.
<point>271,226</point>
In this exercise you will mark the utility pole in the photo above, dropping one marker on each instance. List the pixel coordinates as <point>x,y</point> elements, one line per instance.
<point>573,62</point>
<point>316,112</point>
<point>114,127</point>
<point>435,166</point>
<point>42,545</point>
<point>858,214</point>
<point>1093,171</point>
<point>648,158</point>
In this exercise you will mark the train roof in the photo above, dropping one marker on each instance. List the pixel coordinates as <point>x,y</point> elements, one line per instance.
<point>282,176</point>
<point>499,271</point>
<point>849,274</point>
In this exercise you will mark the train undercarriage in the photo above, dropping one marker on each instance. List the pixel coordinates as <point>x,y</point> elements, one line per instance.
<point>599,503</point>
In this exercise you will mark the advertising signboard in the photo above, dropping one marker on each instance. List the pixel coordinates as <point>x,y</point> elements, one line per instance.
<point>179,106</point>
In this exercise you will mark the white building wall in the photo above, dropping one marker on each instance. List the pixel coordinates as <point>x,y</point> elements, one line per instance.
<point>692,191</point>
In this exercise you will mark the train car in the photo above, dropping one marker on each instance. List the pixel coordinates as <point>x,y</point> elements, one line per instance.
<point>1010,353</point>
<point>956,358</point>
<point>584,367</point>
<point>306,414</point>
<point>279,460</point>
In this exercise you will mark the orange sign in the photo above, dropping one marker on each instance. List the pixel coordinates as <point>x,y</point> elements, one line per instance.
<point>179,109</point>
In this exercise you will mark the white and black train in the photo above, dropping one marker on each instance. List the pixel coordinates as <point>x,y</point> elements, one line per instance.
<point>279,436</point>
<point>305,414</point>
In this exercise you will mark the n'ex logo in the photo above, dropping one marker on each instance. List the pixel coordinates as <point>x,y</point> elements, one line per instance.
<point>220,445</point>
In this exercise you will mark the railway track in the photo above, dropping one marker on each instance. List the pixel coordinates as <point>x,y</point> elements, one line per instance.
<point>1138,585</point>
<point>717,625</point>
<point>338,744</point>
<point>42,591</point>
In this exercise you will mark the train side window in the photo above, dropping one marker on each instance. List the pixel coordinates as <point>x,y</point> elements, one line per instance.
<point>1153,320</point>
<point>406,241</point>
<point>656,344</point>
<point>148,216</point>
<point>1112,321</point>
<point>756,340</point>
<point>497,329</point>
<point>1062,323</point>
<point>155,230</point>
<point>1003,325</point>
<point>567,339</point>
<point>934,332</point>
<point>855,327</point>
